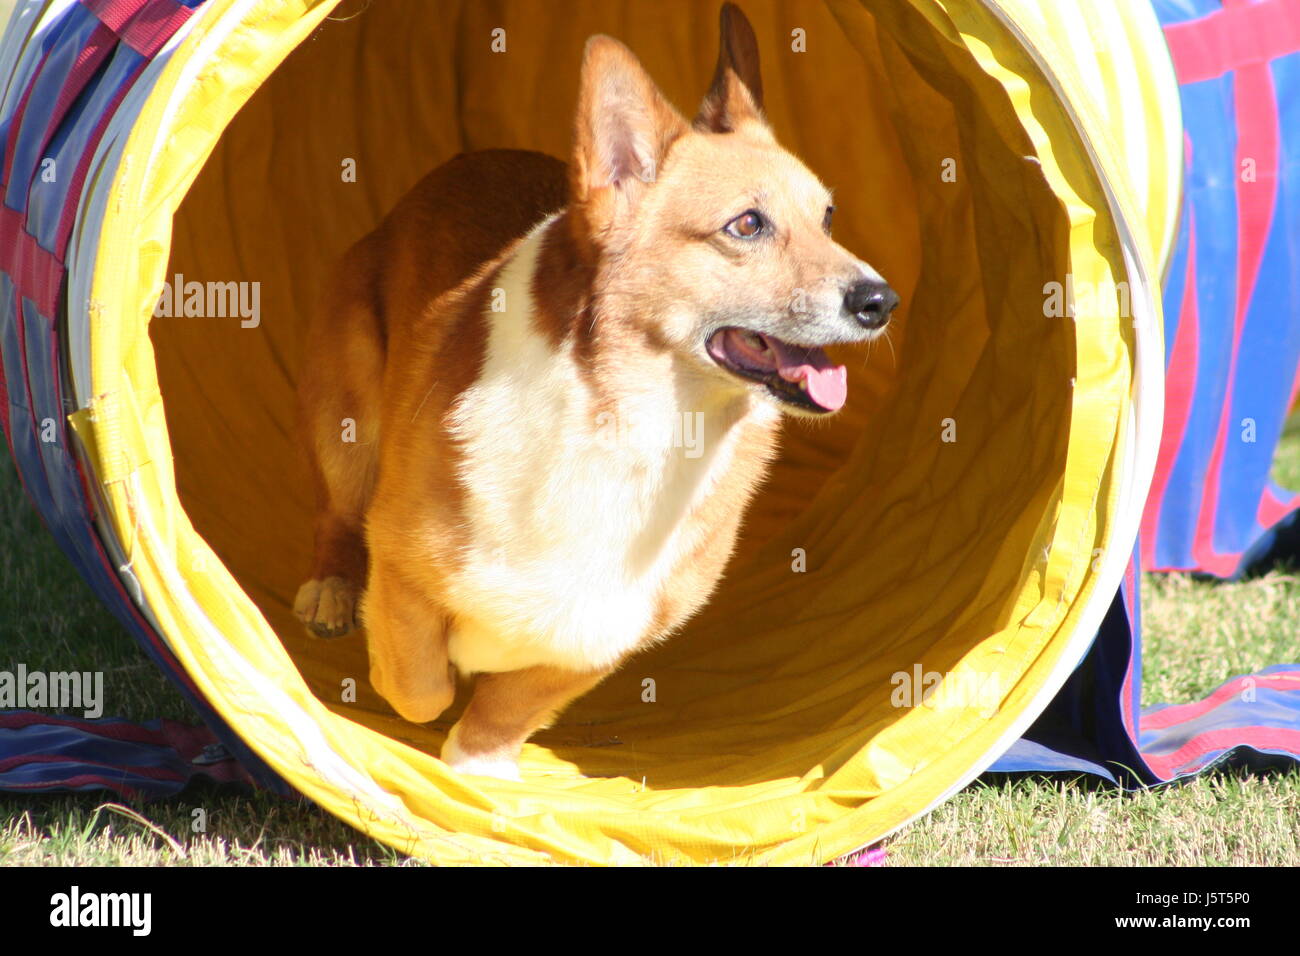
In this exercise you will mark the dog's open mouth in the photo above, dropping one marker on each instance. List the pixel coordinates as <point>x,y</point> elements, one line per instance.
<point>795,374</point>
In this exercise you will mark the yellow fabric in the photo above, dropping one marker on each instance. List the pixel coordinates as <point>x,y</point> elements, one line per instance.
<point>772,736</point>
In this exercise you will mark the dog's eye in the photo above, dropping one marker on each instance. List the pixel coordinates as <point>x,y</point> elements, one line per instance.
<point>747,225</point>
<point>826,219</point>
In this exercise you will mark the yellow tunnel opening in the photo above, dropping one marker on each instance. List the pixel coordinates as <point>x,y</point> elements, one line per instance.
<point>943,524</point>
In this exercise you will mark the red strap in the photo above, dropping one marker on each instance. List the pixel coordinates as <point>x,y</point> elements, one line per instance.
<point>114,14</point>
<point>144,25</point>
<point>36,272</point>
<point>98,46</point>
<point>1233,37</point>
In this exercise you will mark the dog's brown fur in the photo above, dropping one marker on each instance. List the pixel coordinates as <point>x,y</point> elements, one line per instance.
<point>403,332</point>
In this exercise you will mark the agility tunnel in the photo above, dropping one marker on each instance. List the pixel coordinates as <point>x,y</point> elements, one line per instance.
<point>940,581</point>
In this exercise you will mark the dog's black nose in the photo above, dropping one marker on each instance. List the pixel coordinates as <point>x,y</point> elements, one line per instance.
<point>871,302</point>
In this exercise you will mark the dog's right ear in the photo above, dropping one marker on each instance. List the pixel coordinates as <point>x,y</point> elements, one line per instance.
<point>736,93</point>
<point>623,130</point>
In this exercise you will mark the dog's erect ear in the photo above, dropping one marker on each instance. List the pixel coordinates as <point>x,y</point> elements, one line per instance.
<point>736,93</point>
<point>622,133</point>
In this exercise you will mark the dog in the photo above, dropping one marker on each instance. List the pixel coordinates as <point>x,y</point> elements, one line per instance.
<point>519,349</point>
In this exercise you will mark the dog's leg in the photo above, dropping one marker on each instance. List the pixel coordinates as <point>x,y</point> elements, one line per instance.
<point>338,415</point>
<point>505,711</point>
<point>326,602</point>
<point>407,639</point>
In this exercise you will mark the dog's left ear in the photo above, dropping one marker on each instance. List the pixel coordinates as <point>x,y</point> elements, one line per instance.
<point>736,93</point>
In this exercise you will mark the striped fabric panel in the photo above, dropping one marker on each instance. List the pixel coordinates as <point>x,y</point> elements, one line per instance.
<point>39,752</point>
<point>1232,339</point>
<point>1095,724</point>
<point>1232,351</point>
<point>1258,711</point>
<point>80,68</point>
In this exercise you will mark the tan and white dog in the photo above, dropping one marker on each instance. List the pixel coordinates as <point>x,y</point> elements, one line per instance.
<point>566,385</point>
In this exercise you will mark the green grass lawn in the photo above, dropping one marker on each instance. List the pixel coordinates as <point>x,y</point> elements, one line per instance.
<point>1197,635</point>
<point>50,620</point>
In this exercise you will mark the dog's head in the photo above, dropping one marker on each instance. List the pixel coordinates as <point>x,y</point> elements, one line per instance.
<point>711,234</point>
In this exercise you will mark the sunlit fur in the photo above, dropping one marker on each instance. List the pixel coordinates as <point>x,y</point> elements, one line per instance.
<point>550,469</point>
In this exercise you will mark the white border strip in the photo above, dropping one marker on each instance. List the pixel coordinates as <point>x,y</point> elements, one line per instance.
<point>83,244</point>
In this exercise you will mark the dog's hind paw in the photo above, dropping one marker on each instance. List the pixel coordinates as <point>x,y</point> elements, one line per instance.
<point>478,765</point>
<point>327,608</point>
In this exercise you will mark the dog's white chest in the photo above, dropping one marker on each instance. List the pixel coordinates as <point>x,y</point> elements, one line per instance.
<point>576,515</point>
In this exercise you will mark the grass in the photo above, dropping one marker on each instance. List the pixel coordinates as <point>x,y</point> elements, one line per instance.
<point>256,830</point>
<point>51,620</point>
<point>1286,461</point>
<point>1196,634</point>
<point>1220,819</point>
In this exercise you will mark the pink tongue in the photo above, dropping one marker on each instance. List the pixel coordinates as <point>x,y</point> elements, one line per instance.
<point>828,385</point>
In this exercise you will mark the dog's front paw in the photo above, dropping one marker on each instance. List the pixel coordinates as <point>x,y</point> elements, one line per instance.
<point>328,607</point>
<point>499,767</point>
